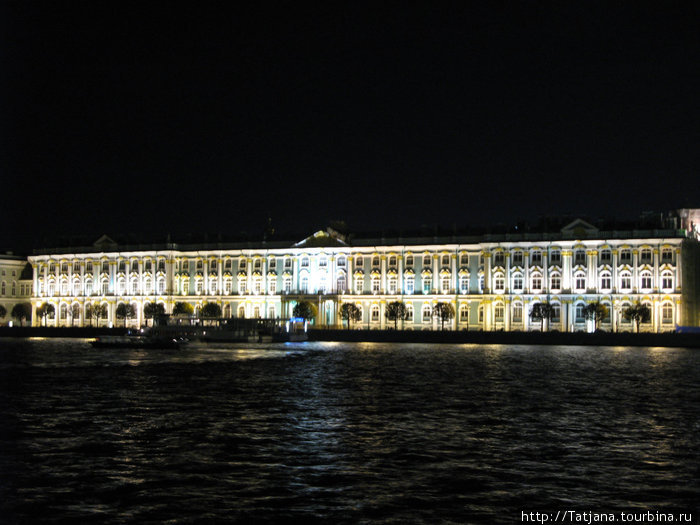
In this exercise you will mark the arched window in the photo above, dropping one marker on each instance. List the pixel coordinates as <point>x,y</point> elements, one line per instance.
<point>241,311</point>
<point>427,313</point>
<point>645,280</point>
<point>409,313</point>
<point>304,284</point>
<point>464,313</point>
<point>392,261</point>
<point>605,281</point>
<point>445,261</point>
<point>667,280</point>
<point>605,256</point>
<point>63,312</point>
<point>409,285</point>
<point>359,284</point>
<point>104,286</point>
<point>536,281</point>
<point>667,313</point>
<point>555,281</point>
<point>227,310</point>
<point>256,312</point>
<point>578,310</point>
<point>445,284</point>
<point>375,285</point>
<point>625,280</point>
<point>375,261</point>
<point>498,312</point>
<point>341,261</point>
<point>341,283</point>
<point>579,281</point>
<point>517,312</point>
<point>518,282</point>
<point>645,256</point>
<point>392,285</point>
<point>464,284</point>
<point>88,287</point>
<point>409,261</point>
<point>481,314</point>
<point>374,313</point>
<point>499,283</point>
<point>121,286</point>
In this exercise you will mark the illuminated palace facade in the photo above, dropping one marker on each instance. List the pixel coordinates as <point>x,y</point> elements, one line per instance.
<point>490,280</point>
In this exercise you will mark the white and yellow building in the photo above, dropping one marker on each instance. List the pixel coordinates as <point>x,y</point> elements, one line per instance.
<point>15,286</point>
<point>491,280</point>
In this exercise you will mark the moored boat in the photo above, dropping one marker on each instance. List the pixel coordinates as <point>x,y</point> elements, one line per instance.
<point>136,341</point>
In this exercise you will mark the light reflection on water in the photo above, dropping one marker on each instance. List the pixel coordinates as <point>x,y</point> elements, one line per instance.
<point>344,432</point>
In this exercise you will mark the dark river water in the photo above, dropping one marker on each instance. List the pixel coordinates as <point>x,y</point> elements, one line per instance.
<point>345,433</point>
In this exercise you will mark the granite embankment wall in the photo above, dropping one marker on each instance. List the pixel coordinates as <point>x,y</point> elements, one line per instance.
<point>51,331</point>
<point>510,338</point>
<point>668,339</point>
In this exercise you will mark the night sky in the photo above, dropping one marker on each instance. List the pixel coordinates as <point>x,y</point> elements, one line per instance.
<point>124,118</point>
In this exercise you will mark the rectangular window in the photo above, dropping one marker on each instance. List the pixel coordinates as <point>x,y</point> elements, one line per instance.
<point>536,258</point>
<point>580,257</point>
<point>625,256</point>
<point>427,285</point>
<point>518,283</point>
<point>605,282</point>
<point>409,261</point>
<point>625,282</point>
<point>517,258</point>
<point>666,255</point>
<point>359,286</point>
<point>359,262</point>
<point>555,257</point>
<point>426,261</point>
<point>580,283</point>
<point>464,260</point>
<point>498,259</point>
<point>287,263</point>
<point>556,282</point>
<point>464,284</point>
<point>409,285</point>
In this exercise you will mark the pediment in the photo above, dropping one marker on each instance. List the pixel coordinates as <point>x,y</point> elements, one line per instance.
<point>321,239</point>
<point>105,242</point>
<point>579,228</point>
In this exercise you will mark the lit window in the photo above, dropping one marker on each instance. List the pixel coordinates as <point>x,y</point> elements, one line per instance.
<point>426,313</point>
<point>427,284</point>
<point>667,280</point>
<point>463,284</point>
<point>518,282</point>
<point>580,281</point>
<point>625,281</point>
<point>445,285</point>
<point>555,282</point>
<point>375,313</point>
<point>498,313</point>
<point>605,281</point>
<point>359,285</point>
<point>645,281</point>
<point>536,282</point>
<point>499,283</point>
<point>517,313</point>
<point>667,313</point>
<point>409,285</point>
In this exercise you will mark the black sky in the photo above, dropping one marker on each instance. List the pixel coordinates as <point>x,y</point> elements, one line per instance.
<point>213,117</point>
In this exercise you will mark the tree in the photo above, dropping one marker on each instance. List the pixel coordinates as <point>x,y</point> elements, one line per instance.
<point>211,310</point>
<point>97,312</point>
<point>639,313</point>
<point>305,310</point>
<point>444,312</point>
<point>151,310</point>
<point>3,312</point>
<point>183,309</point>
<point>22,311</point>
<point>350,312</point>
<point>596,312</point>
<point>125,312</point>
<point>396,311</point>
<point>540,312</point>
<point>46,311</point>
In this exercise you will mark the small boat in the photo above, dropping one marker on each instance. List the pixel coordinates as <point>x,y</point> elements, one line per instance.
<point>135,341</point>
